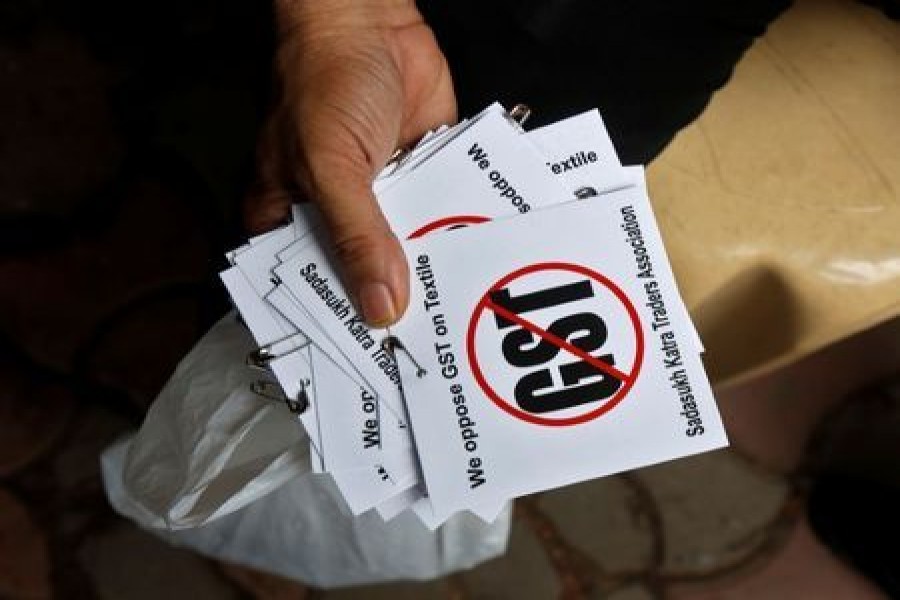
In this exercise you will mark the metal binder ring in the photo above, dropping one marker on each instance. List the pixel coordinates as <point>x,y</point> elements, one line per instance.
<point>583,193</point>
<point>392,343</point>
<point>267,389</point>
<point>519,113</point>
<point>299,404</point>
<point>259,359</point>
<point>398,155</point>
<point>271,391</point>
<point>398,158</point>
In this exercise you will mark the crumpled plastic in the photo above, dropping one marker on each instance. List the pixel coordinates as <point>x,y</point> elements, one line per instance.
<point>218,469</point>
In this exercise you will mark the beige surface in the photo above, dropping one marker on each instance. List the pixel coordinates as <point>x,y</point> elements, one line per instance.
<point>780,205</point>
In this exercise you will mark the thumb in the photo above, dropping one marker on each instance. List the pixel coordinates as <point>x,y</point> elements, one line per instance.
<point>369,255</point>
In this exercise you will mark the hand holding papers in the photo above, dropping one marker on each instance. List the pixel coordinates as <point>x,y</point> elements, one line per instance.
<point>545,343</point>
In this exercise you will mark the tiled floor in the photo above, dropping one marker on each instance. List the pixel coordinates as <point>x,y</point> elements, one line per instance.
<point>108,280</point>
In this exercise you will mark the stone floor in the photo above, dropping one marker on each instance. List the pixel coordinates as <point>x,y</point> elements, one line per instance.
<point>109,234</point>
<point>711,526</point>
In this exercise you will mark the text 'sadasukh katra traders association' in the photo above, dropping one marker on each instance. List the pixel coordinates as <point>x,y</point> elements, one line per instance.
<point>545,343</point>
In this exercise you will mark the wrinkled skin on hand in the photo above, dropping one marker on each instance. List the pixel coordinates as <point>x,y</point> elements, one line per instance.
<point>358,79</point>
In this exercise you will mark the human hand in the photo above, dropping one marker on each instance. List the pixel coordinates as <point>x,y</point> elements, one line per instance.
<point>359,78</point>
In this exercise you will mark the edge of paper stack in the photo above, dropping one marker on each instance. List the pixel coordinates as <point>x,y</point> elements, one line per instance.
<point>350,386</point>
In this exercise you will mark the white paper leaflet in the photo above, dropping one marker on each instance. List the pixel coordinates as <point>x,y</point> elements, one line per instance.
<point>545,343</point>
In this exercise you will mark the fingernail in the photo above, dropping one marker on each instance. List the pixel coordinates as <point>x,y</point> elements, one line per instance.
<point>377,304</point>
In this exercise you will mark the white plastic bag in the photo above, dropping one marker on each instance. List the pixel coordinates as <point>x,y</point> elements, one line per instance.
<point>218,469</point>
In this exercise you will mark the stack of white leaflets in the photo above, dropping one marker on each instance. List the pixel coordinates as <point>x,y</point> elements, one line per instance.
<point>545,343</point>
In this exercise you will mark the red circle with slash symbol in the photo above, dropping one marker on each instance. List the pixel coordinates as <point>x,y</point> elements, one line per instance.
<point>627,378</point>
<point>446,224</point>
